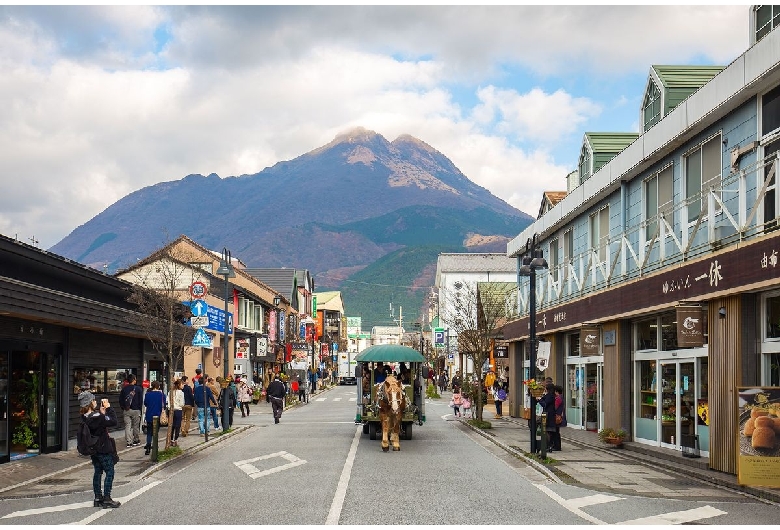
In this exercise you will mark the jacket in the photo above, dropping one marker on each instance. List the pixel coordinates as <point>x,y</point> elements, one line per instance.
<point>189,397</point>
<point>154,401</point>
<point>136,402</point>
<point>547,402</point>
<point>276,389</point>
<point>197,396</point>
<point>98,425</point>
<point>229,394</point>
<point>244,393</point>
<point>560,410</point>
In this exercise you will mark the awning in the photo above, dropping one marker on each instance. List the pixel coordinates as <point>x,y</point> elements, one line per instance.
<point>390,353</point>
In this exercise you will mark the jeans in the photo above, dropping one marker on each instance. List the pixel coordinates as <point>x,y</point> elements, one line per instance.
<point>176,426</point>
<point>244,407</point>
<point>132,426</point>
<point>185,420</point>
<point>214,419</point>
<point>498,407</point>
<point>103,463</point>
<point>201,420</point>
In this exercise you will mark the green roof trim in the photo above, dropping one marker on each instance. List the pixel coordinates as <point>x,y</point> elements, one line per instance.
<point>390,353</point>
<point>693,77</point>
<point>609,142</point>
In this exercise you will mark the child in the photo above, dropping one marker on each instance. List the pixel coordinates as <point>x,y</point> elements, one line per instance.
<point>467,407</point>
<point>457,400</point>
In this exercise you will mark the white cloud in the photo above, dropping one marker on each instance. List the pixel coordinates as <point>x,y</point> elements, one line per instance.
<point>101,101</point>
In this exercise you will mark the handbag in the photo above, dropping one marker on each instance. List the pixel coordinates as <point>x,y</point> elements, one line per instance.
<point>115,454</point>
<point>164,417</point>
<point>558,419</point>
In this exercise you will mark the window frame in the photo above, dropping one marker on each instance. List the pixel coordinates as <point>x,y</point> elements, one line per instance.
<point>660,209</point>
<point>554,254</point>
<point>653,96</point>
<point>698,150</point>
<point>772,23</point>
<point>601,240</point>
<point>586,158</point>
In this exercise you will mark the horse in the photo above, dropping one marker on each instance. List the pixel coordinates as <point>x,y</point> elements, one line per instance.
<point>392,403</point>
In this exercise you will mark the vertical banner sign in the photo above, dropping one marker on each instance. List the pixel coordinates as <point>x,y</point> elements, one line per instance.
<point>272,326</point>
<point>690,328</point>
<point>262,346</point>
<point>324,351</point>
<point>242,349</point>
<point>303,330</point>
<point>320,324</point>
<point>438,337</point>
<point>543,355</point>
<point>281,326</point>
<point>590,341</point>
<point>314,304</point>
<point>758,454</point>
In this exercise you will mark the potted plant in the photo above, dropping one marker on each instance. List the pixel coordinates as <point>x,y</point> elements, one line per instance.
<point>612,436</point>
<point>256,395</point>
<point>24,436</point>
<point>591,416</point>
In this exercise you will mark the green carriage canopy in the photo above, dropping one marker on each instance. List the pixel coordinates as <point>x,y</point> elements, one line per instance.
<point>390,353</point>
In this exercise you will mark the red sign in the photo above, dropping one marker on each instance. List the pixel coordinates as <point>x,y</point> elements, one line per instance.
<point>198,289</point>
<point>324,348</point>
<point>145,383</point>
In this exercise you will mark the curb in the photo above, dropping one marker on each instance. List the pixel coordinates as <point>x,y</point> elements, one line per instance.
<point>541,468</point>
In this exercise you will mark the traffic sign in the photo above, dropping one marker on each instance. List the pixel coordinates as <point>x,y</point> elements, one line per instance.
<point>199,322</point>
<point>198,289</point>
<point>199,308</point>
<point>438,337</point>
<point>201,339</point>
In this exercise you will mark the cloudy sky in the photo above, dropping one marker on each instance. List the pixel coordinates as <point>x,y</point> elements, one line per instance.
<point>98,102</point>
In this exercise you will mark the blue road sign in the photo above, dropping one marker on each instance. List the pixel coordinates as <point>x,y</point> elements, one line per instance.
<point>201,339</point>
<point>438,337</point>
<point>199,308</point>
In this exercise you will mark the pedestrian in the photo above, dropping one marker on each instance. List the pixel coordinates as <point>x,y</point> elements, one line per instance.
<point>188,410</point>
<point>276,392</point>
<point>456,380</point>
<point>442,381</point>
<point>98,421</point>
<point>215,391</point>
<point>154,402</point>
<point>312,380</point>
<point>301,389</point>
<point>130,399</point>
<point>457,400</point>
<point>228,394</point>
<point>178,412</point>
<point>198,379</point>
<point>203,398</point>
<point>560,411</point>
<point>499,396</point>
<point>547,401</point>
<point>244,397</point>
<point>295,387</point>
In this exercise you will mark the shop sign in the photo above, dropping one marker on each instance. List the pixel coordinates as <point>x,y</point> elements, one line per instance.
<point>262,346</point>
<point>501,351</point>
<point>689,327</point>
<point>590,341</point>
<point>543,350</point>
<point>242,349</point>
<point>758,458</point>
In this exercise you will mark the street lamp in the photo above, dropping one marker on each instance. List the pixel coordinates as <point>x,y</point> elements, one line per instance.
<point>529,268</point>
<point>226,270</point>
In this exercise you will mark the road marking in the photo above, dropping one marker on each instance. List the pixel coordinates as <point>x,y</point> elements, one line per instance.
<point>682,517</point>
<point>591,500</point>
<point>77,505</point>
<point>569,506</point>
<point>321,399</point>
<point>336,399</point>
<point>353,399</point>
<point>254,473</point>
<point>341,489</point>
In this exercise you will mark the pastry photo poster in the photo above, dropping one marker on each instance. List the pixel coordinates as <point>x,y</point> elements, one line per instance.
<point>758,450</point>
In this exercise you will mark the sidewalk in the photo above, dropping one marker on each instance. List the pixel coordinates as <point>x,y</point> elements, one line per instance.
<point>68,472</point>
<point>633,469</point>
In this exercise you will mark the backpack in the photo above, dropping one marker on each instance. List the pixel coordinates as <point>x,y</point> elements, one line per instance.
<point>129,400</point>
<point>501,394</point>
<point>86,444</point>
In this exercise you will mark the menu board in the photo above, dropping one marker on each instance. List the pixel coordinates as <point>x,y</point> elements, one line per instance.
<point>758,451</point>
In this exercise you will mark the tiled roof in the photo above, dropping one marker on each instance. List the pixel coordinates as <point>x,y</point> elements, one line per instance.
<point>280,280</point>
<point>550,199</point>
<point>673,76</point>
<point>610,142</point>
<point>466,262</point>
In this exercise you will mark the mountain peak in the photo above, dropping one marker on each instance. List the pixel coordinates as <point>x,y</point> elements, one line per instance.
<point>408,139</point>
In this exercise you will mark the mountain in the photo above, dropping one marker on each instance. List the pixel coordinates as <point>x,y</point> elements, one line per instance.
<point>335,211</point>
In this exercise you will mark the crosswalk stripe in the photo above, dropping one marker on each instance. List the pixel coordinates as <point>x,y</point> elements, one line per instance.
<point>336,399</point>
<point>590,500</point>
<point>321,399</point>
<point>682,517</point>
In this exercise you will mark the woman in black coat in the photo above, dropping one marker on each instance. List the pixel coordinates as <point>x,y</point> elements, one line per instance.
<point>547,401</point>
<point>99,420</point>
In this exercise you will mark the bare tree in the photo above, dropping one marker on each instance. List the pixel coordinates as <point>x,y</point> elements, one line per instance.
<point>477,313</point>
<point>160,285</point>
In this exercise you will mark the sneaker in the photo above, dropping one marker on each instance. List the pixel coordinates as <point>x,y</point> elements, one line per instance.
<point>136,443</point>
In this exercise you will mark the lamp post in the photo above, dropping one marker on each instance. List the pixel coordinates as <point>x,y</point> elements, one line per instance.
<point>529,268</point>
<point>225,269</point>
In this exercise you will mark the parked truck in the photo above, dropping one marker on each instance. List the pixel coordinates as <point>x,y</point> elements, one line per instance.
<point>347,368</point>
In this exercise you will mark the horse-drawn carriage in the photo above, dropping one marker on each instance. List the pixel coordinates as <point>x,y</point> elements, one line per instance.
<point>375,401</point>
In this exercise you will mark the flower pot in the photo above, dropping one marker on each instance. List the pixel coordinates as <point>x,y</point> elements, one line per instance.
<point>617,442</point>
<point>537,392</point>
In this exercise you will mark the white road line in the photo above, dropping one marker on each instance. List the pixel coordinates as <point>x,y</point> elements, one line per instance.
<point>353,399</point>
<point>341,489</point>
<point>254,473</point>
<point>336,399</point>
<point>682,517</point>
<point>77,505</point>
<point>563,502</point>
<point>321,399</point>
<point>591,500</point>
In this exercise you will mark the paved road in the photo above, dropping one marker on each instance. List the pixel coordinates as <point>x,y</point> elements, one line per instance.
<point>317,467</point>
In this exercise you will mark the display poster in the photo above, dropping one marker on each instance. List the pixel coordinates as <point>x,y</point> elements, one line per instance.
<point>758,440</point>
<point>543,355</point>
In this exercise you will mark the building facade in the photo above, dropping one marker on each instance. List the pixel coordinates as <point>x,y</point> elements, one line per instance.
<point>662,291</point>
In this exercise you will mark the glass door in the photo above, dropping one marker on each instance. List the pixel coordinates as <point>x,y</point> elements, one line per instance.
<point>24,400</point>
<point>678,402</point>
<point>5,449</point>
<point>51,439</point>
<point>669,404</point>
<point>592,405</point>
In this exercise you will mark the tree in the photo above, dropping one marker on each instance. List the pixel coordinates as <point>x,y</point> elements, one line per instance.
<point>476,313</point>
<point>160,285</point>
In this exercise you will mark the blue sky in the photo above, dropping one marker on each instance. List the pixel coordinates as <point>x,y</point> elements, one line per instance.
<point>100,101</point>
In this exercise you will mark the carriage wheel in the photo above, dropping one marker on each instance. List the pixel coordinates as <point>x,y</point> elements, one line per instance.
<point>408,431</point>
<point>372,431</point>
<point>365,428</point>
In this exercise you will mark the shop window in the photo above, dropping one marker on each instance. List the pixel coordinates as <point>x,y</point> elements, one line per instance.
<point>702,406</point>
<point>647,334</point>
<point>648,394</point>
<point>773,317</point>
<point>669,331</point>
<point>774,369</point>
<point>100,380</point>
<point>573,345</point>
<point>702,172</point>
